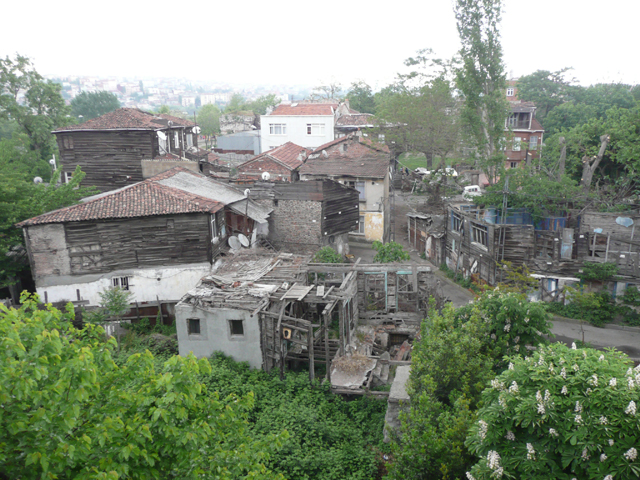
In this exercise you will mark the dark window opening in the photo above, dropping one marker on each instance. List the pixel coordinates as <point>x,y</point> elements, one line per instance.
<point>237,328</point>
<point>193,326</point>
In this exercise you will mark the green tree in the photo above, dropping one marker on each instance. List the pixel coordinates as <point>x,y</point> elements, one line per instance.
<point>481,79</point>
<point>21,199</point>
<point>389,252</point>
<point>208,118</point>
<point>90,105</point>
<point>260,105</point>
<point>560,413</point>
<point>327,255</point>
<point>546,89</point>
<point>164,109</point>
<point>69,412</point>
<point>330,90</point>
<point>236,104</point>
<point>40,110</point>
<point>423,119</point>
<point>361,97</point>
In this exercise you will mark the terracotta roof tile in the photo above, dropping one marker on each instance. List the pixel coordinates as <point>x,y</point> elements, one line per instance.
<point>286,154</point>
<point>369,167</point>
<point>356,120</point>
<point>535,125</point>
<point>305,109</point>
<point>142,199</point>
<point>128,118</point>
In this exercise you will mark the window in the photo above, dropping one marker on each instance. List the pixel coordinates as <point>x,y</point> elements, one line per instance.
<point>176,140</point>
<point>456,222</point>
<point>193,326</point>
<point>67,142</point>
<point>516,143</point>
<point>162,145</point>
<point>533,143</point>
<point>360,187</point>
<point>189,139</point>
<point>510,92</point>
<point>479,234</point>
<point>513,164</point>
<point>361,224</point>
<point>236,327</point>
<point>67,177</point>
<point>315,128</point>
<point>122,282</point>
<point>278,128</point>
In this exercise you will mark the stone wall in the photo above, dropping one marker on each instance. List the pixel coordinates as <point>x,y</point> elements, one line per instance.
<point>295,225</point>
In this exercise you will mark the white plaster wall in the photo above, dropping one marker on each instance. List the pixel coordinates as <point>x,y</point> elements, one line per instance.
<point>296,130</point>
<point>215,334</point>
<point>147,285</point>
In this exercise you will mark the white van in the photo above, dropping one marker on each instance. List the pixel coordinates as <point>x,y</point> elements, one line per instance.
<point>471,191</point>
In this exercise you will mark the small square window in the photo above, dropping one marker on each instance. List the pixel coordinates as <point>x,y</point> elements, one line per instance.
<point>513,164</point>
<point>237,327</point>
<point>193,326</point>
<point>361,224</point>
<point>510,92</point>
<point>121,282</point>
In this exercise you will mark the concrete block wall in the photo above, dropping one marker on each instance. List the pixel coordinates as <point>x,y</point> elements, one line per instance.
<point>295,226</point>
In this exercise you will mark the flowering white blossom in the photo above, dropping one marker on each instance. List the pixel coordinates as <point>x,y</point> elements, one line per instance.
<point>493,336</point>
<point>629,372</point>
<point>631,408</point>
<point>608,477</point>
<point>517,339</point>
<point>526,319</point>
<point>539,396</point>
<point>578,407</point>
<point>541,409</point>
<point>511,366</point>
<point>601,358</point>
<point>470,477</point>
<point>611,442</point>
<point>547,395</point>
<point>588,391</point>
<point>502,402</point>
<point>630,383</point>
<point>531,453</point>
<point>497,384</point>
<point>564,390</point>
<point>493,458</point>
<point>603,420</point>
<point>484,427</point>
<point>578,419</point>
<point>593,380</point>
<point>585,455</point>
<point>507,327</point>
<point>576,368</point>
<point>631,454</point>
<point>513,388</point>
<point>603,457</point>
<point>613,382</point>
<point>563,373</point>
<point>553,433</point>
<point>573,346</point>
<point>510,436</point>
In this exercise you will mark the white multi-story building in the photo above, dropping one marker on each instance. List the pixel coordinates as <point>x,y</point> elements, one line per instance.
<point>306,124</point>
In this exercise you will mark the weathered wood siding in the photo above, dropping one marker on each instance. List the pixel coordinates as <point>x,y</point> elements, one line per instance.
<point>141,242</point>
<point>110,160</point>
<point>340,210</point>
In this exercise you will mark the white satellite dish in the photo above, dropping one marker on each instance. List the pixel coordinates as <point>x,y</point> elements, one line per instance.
<point>234,243</point>
<point>196,130</point>
<point>244,241</point>
<point>37,180</point>
<point>266,176</point>
<point>215,240</point>
<point>247,192</point>
<point>162,136</point>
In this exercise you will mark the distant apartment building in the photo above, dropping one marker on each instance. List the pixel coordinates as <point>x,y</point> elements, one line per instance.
<point>523,132</point>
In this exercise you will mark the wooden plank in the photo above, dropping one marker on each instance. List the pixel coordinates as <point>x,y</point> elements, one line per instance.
<point>326,347</point>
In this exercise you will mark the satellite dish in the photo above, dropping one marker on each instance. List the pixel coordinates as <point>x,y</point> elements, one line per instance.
<point>169,123</point>
<point>266,176</point>
<point>244,241</point>
<point>37,180</point>
<point>162,136</point>
<point>215,240</point>
<point>234,243</point>
<point>52,161</point>
<point>196,130</point>
<point>247,192</point>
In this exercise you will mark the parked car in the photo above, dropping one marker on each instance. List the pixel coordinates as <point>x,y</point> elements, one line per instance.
<point>447,171</point>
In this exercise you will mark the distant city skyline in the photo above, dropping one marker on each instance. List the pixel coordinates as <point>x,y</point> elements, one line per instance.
<point>276,43</point>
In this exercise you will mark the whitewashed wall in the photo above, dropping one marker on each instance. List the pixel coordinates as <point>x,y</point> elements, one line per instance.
<point>296,130</point>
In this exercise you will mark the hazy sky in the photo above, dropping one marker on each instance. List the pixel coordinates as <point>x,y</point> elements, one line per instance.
<point>292,42</point>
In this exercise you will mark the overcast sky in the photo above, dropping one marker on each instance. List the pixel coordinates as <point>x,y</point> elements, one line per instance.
<point>270,42</point>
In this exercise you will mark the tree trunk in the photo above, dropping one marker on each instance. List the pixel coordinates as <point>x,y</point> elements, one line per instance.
<point>563,157</point>
<point>589,165</point>
<point>429,156</point>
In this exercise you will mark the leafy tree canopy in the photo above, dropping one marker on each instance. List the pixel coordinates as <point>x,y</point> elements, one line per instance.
<point>70,412</point>
<point>208,117</point>
<point>90,105</point>
<point>389,252</point>
<point>361,97</point>
<point>560,413</point>
<point>327,255</point>
<point>40,110</point>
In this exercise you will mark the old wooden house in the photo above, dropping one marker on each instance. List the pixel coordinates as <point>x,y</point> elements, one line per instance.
<point>155,238</point>
<point>309,215</point>
<point>126,146</point>
<point>275,310</point>
<point>280,164</point>
<point>364,166</point>
<point>554,249</point>
<point>426,233</point>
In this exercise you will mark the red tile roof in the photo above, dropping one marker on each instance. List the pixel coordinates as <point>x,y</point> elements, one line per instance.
<point>535,125</point>
<point>142,199</point>
<point>305,109</point>
<point>128,119</point>
<point>286,154</point>
<point>374,145</point>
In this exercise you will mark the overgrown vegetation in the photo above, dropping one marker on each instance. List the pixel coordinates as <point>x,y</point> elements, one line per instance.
<point>389,252</point>
<point>327,255</point>
<point>460,279</point>
<point>597,272</point>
